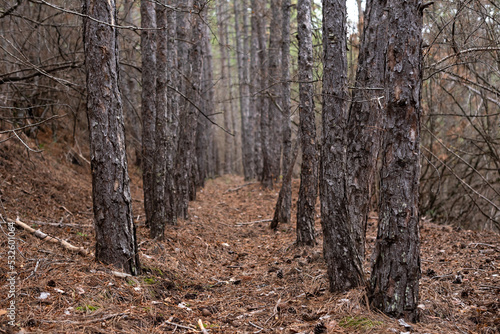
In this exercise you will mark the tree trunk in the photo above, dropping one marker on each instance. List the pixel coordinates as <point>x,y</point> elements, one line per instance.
<point>190,70</point>
<point>308,192</point>
<point>360,17</point>
<point>116,241</point>
<point>173,111</point>
<point>223,45</point>
<point>286,130</point>
<point>163,211</point>
<point>247,137</point>
<point>364,121</point>
<point>148,48</point>
<point>255,87</point>
<point>287,178</point>
<point>396,267</point>
<point>344,262</point>
<point>272,127</point>
<point>263,103</point>
<point>204,136</point>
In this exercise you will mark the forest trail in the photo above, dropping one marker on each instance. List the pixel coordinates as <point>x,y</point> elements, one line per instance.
<point>220,266</point>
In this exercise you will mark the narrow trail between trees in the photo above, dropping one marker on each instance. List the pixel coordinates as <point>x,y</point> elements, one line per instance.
<point>222,266</point>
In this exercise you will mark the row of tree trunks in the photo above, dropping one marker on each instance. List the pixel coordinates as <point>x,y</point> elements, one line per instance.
<point>364,121</point>
<point>205,144</point>
<point>247,131</point>
<point>386,96</point>
<point>225,82</point>
<point>163,204</point>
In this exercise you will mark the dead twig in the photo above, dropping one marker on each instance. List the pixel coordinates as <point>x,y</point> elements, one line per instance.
<point>240,187</point>
<point>178,325</point>
<point>474,244</point>
<point>39,234</point>
<point>258,327</point>
<point>58,224</point>
<point>254,222</point>
<point>203,330</point>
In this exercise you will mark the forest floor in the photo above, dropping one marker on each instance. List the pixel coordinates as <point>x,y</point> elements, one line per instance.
<point>220,266</point>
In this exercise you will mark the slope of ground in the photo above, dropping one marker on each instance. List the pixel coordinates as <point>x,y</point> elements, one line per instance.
<point>223,266</point>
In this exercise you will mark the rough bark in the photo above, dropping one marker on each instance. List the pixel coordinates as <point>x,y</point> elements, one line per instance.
<point>173,111</point>
<point>364,121</point>
<point>281,196</point>
<point>224,79</point>
<point>255,88</point>
<point>189,33</point>
<point>308,190</point>
<point>396,267</point>
<point>148,50</point>
<point>163,211</point>
<point>193,26</point>
<point>344,262</point>
<point>247,137</point>
<point>181,173</point>
<point>271,144</point>
<point>263,101</point>
<point>116,241</point>
<point>286,130</point>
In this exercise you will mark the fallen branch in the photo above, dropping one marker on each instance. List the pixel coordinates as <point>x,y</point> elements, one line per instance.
<point>474,244</point>
<point>39,234</point>
<point>255,222</point>
<point>177,325</point>
<point>238,188</point>
<point>58,224</point>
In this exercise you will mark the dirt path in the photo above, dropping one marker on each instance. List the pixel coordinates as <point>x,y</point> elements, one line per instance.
<point>220,267</point>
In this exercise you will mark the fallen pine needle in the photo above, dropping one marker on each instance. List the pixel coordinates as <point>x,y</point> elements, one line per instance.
<point>107,317</point>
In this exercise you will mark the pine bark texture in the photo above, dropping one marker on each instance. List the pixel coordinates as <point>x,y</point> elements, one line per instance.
<point>190,40</point>
<point>281,196</point>
<point>286,130</point>
<point>396,267</point>
<point>308,190</point>
<point>163,209</point>
<point>173,112</point>
<point>247,137</point>
<point>365,117</point>
<point>271,129</point>
<point>116,241</point>
<point>344,262</point>
<point>148,50</point>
